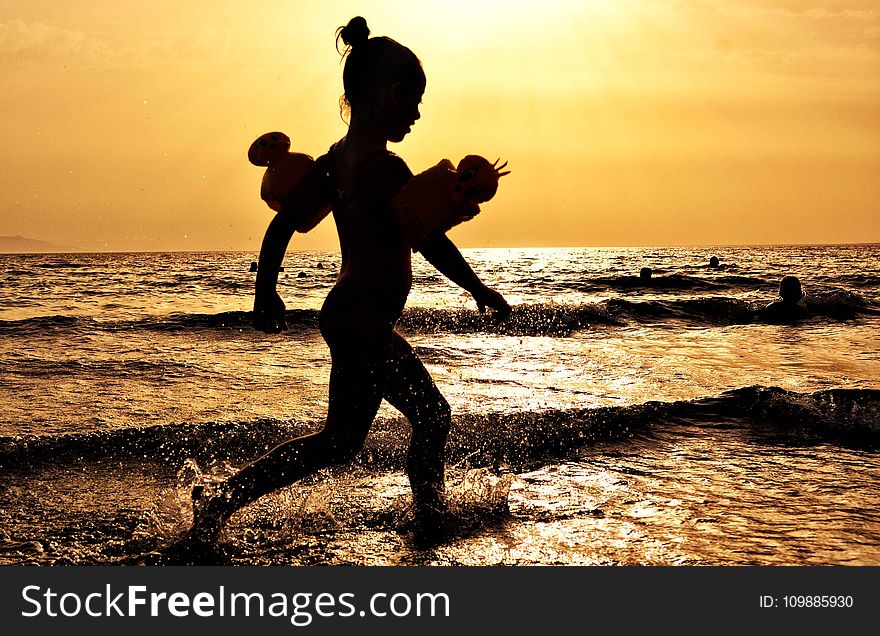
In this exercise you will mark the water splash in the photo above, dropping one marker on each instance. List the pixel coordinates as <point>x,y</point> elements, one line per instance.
<point>480,492</point>
<point>285,515</point>
<point>172,513</point>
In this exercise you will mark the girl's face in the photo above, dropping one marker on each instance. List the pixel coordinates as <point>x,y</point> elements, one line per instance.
<point>402,110</point>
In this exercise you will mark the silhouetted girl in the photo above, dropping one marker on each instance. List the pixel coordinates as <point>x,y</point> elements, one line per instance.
<point>384,83</point>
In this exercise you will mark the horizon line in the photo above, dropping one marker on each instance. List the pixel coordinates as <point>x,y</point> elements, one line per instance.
<point>546,247</point>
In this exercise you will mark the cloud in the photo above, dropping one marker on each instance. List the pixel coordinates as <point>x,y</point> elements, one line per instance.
<point>855,9</point>
<point>778,36</point>
<point>22,41</point>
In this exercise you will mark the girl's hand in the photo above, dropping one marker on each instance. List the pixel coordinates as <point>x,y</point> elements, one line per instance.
<point>269,312</point>
<point>487,297</point>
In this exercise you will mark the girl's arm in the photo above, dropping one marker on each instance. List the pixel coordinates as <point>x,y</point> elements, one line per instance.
<point>269,309</point>
<point>301,209</point>
<point>442,253</point>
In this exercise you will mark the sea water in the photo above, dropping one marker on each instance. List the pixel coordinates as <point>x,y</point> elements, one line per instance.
<point>608,420</point>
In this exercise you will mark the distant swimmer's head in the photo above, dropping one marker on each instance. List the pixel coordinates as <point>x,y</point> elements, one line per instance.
<point>790,289</point>
<point>713,262</point>
<point>645,273</point>
<point>268,148</point>
<point>383,81</point>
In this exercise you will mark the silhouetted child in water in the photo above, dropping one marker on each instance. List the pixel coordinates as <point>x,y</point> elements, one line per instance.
<point>791,305</point>
<point>384,83</point>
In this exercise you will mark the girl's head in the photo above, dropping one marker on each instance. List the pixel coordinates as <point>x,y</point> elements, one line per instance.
<point>383,80</point>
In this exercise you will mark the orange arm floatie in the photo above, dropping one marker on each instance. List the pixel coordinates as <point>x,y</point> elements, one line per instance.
<point>293,181</point>
<point>438,199</point>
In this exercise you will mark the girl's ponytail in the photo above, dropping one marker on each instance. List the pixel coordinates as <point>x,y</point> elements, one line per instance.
<point>353,34</point>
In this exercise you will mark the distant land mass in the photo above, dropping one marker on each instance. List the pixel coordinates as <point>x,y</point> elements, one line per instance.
<point>22,244</point>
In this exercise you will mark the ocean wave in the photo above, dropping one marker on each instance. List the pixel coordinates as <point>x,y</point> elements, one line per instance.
<point>848,416</point>
<point>524,320</point>
<point>711,310</point>
<point>175,322</point>
<point>37,324</point>
<point>185,322</point>
<point>540,319</point>
<point>672,282</point>
<point>157,370</point>
<point>835,304</point>
<point>60,265</point>
<point>844,415</point>
<point>859,280</point>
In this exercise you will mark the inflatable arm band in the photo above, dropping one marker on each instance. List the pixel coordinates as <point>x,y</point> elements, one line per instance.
<point>293,181</point>
<point>434,201</point>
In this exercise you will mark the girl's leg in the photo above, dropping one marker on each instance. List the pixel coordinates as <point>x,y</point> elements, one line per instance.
<point>355,394</point>
<point>410,389</point>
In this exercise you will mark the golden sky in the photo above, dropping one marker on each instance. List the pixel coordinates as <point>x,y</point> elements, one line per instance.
<point>125,125</point>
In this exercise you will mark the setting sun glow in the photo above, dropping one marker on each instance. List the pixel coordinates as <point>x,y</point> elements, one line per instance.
<point>635,122</point>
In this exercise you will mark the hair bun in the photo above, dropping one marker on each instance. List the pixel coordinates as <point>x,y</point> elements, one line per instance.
<point>356,32</point>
